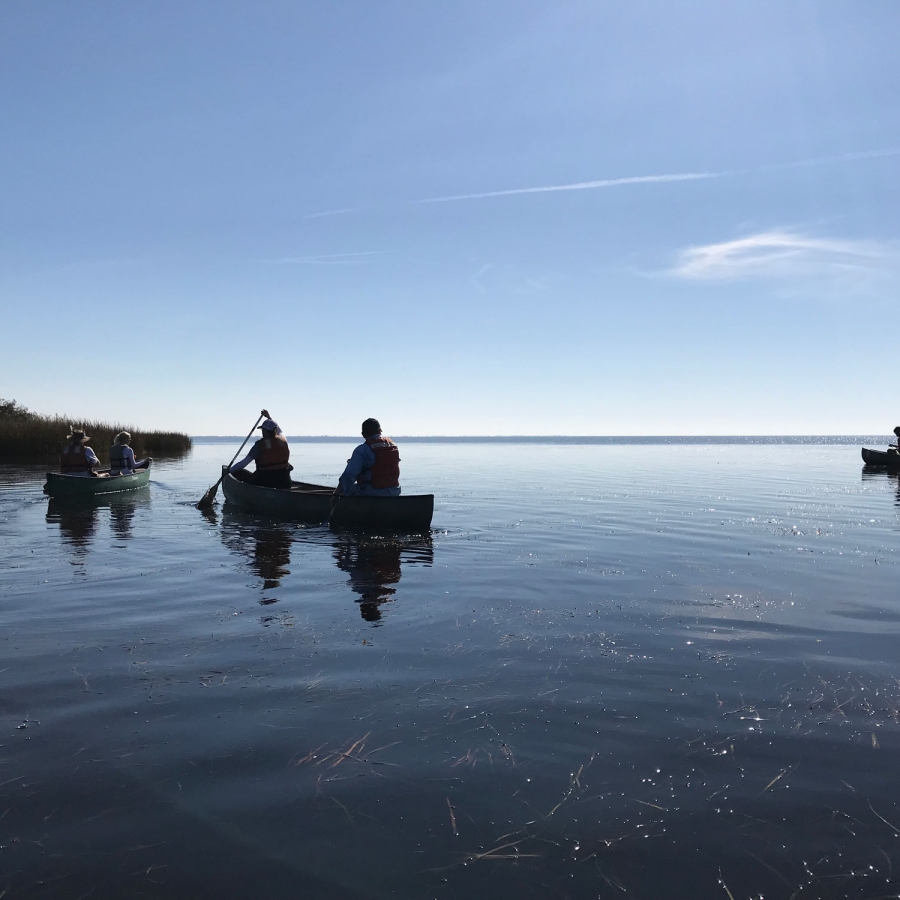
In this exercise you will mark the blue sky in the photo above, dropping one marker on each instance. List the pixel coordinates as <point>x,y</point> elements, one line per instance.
<point>461,218</point>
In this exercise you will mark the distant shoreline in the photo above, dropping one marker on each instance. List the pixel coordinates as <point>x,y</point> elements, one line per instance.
<point>26,436</point>
<point>822,440</point>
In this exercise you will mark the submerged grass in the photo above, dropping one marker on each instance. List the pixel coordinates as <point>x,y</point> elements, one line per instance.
<point>26,436</point>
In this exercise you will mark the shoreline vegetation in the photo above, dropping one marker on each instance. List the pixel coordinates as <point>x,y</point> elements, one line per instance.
<point>26,436</point>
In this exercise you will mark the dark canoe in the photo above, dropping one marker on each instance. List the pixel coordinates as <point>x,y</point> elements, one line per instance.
<point>410,514</point>
<point>312,504</point>
<point>309,503</point>
<point>879,458</point>
<point>59,485</point>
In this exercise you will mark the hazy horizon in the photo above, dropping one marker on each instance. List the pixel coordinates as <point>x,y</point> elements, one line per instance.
<point>586,438</point>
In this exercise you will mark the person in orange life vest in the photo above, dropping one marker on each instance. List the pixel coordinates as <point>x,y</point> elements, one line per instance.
<point>76,458</point>
<point>121,456</point>
<point>271,454</point>
<point>373,469</point>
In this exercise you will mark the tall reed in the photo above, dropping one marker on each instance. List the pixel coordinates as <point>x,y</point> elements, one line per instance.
<point>28,437</point>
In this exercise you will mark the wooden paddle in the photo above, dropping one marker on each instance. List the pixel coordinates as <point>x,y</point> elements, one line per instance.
<point>209,497</point>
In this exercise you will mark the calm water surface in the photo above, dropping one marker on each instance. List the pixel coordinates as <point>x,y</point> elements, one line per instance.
<point>610,671</point>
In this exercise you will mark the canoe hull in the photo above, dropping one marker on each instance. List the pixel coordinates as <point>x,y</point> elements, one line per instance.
<point>312,505</point>
<point>59,485</point>
<point>410,514</point>
<point>879,458</point>
<point>307,503</point>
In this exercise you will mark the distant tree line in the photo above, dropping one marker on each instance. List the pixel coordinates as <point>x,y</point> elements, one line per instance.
<point>26,436</point>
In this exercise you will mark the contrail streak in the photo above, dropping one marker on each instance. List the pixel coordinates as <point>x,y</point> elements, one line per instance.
<point>668,179</point>
<point>584,185</point>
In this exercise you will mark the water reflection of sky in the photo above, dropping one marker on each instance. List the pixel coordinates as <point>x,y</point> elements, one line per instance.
<point>610,671</point>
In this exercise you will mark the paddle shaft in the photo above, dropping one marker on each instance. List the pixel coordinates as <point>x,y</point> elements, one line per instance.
<point>208,497</point>
<point>262,416</point>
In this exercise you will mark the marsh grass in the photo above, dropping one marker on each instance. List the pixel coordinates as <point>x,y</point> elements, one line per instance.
<point>26,436</point>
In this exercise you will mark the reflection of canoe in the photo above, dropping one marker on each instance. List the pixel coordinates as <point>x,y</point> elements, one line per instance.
<point>408,514</point>
<point>879,458</point>
<point>77,515</point>
<point>310,503</point>
<point>78,486</point>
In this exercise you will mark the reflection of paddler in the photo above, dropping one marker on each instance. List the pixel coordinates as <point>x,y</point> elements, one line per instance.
<point>76,458</point>
<point>271,555</point>
<point>373,567</point>
<point>77,521</point>
<point>267,548</point>
<point>121,516</point>
<point>77,516</point>
<point>271,455</point>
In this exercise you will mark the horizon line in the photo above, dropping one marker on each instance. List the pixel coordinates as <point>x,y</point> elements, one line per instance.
<point>456,437</point>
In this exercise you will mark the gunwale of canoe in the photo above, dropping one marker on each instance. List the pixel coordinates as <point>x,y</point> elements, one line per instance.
<point>59,485</point>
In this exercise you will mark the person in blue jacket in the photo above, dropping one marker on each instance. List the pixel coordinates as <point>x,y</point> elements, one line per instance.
<point>373,469</point>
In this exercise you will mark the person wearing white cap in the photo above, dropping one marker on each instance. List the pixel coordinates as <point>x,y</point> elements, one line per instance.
<point>271,455</point>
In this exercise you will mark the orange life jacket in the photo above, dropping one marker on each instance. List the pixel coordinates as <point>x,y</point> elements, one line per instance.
<point>386,471</point>
<point>273,454</point>
<point>72,459</point>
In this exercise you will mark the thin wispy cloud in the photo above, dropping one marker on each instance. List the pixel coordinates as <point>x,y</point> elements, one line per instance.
<point>826,160</point>
<point>331,259</point>
<point>671,177</point>
<point>330,212</point>
<point>583,185</point>
<point>783,254</point>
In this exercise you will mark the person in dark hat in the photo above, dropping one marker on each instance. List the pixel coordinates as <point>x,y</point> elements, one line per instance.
<point>374,467</point>
<point>271,455</point>
<point>76,458</point>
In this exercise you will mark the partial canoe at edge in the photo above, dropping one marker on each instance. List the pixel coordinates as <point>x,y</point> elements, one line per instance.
<point>879,458</point>
<point>59,485</point>
<point>309,503</point>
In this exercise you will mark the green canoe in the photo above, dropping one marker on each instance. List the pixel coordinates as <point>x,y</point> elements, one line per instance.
<point>78,486</point>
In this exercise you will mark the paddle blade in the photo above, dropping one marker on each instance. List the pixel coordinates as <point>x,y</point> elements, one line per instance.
<point>209,497</point>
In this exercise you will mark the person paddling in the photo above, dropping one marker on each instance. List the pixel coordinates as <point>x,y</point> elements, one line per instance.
<point>76,458</point>
<point>893,448</point>
<point>373,469</point>
<point>121,456</point>
<point>271,455</point>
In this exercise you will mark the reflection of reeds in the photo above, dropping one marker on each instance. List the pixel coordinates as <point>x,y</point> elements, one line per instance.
<point>27,436</point>
<point>354,752</point>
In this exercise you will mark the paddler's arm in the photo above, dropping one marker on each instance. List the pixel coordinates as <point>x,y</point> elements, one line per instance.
<point>250,457</point>
<point>355,465</point>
